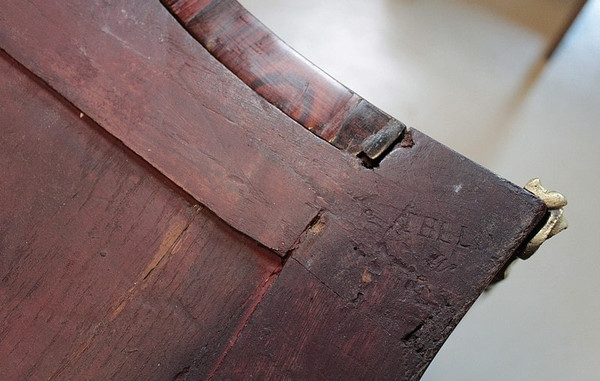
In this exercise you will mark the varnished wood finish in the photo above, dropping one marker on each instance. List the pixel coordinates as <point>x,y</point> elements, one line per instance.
<point>278,73</point>
<point>107,270</point>
<point>381,263</point>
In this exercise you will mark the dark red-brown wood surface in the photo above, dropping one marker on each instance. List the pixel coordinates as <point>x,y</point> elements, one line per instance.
<point>134,69</point>
<point>106,269</point>
<point>278,73</point>
<point>381,263</point>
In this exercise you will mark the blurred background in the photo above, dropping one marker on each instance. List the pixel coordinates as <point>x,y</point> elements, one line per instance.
<point>475,75</point>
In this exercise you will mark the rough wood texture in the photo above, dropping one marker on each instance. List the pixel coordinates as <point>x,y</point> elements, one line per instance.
<point>278,73</point>
<point>106,269</point>
<point>383,262</point>
<point>152,100</point>
<point>376,292</point>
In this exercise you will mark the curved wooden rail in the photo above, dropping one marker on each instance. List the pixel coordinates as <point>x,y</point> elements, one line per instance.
<point>281,75</point>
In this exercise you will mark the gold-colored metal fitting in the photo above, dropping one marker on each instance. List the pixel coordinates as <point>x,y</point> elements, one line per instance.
<point>555,221</point>
<point>553,224</point>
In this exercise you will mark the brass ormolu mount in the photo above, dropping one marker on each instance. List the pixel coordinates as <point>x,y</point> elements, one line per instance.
<point>553,224</point>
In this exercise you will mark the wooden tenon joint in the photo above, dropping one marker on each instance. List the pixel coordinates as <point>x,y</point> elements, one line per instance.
<point>374,148</point>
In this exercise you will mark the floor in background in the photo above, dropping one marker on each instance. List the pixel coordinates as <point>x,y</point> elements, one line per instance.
<point>468,74</point>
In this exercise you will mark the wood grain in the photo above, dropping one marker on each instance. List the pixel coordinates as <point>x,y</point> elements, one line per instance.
<point>163,105</point>
<point>107,270</point>
<point>326,338</point>
<point>278,73</point>
<point>373,298</point>
<point>407,245</point>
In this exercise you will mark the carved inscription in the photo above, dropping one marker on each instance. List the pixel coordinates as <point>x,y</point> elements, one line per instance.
<point>434,229</point>
<point>439,243</point>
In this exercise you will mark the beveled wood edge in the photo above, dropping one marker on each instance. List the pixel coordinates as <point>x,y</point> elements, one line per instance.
<point>283,77</point>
